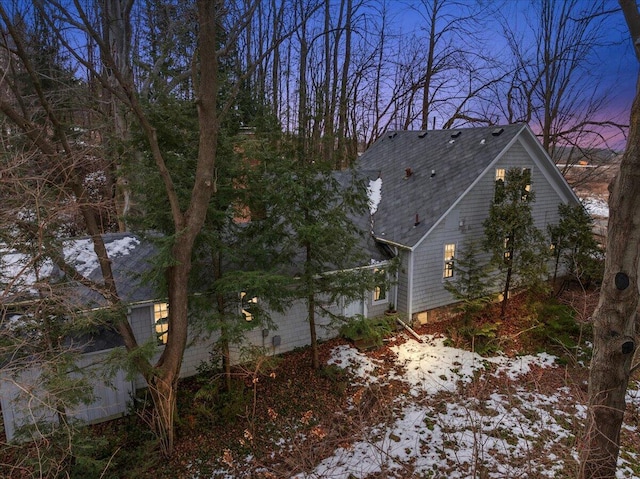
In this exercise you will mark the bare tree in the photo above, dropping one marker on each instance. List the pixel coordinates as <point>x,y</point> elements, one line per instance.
<point>615,318</point>
<point>553,85</point>
<point>219,24</point>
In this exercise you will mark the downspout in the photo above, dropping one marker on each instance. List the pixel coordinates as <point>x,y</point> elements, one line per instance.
<point>410,289</point>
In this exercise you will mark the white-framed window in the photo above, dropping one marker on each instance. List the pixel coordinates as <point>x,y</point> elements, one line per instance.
<point>246,303</point>
<point>380,290</point>
<point>449,255</point>
<point>161,322</point>
<point>501,174</point>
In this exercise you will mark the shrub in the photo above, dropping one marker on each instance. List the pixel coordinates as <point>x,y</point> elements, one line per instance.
<point>557,330</point>
<point>370,331</point>
<point>478,337</point>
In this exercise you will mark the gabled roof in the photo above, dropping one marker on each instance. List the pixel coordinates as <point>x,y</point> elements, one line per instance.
<point>425,172</point>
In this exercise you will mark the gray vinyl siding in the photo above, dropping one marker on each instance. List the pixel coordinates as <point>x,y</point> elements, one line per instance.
<point>428,284</point>
<point>291,331</point>
<point>378,308</point>
<point>110,396</point>
<point>197,351</point>
<point>403,284</point>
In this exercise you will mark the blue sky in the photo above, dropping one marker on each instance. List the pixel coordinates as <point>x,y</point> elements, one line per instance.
<point>612,67</point>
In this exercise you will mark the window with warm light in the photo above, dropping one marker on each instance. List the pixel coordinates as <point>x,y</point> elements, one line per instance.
<point>161,322</point>
<point>507,249</point>
<point>449,254</point>
<point>380,290</point>
<point>526,189</point>
<point>246,305</point>
<point>499,185</point>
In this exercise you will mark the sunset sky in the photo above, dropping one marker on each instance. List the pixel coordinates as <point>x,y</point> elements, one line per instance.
<point>613,64</point>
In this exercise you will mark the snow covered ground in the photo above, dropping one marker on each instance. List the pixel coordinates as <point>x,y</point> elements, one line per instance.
<point>476,434</point>
<point>596,207</point>
<point>459,415</point>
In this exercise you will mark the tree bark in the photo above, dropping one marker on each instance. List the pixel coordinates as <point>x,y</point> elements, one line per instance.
<point>428,74</point>
<point>615,330</point>
<point>116,30</point>
<point>164,382</point>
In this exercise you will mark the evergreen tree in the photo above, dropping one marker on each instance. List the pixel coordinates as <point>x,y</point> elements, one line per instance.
<point>518,250</point>
<point>472,284</point>
<point>233,287</point>
<point>575,247</point>
<point>310,214</point>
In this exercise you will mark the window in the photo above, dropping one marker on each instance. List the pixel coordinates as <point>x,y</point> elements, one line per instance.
<point>526,180</point>
<point>499,186</point>
<point>246,306</point>
<point>380,290</point>
<point>449,254</point>
<point>161,322</point>
<point>507,249</point>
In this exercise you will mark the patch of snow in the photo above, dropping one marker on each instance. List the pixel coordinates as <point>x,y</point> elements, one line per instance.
<point>514,367</point>
<point>22,271</point>
<point>80,253</point>
<point>452,438</point>
<point>358,363</point>
<point>432,367</point>
<point>374,192</point>
<point>460,435</point>
<point>596,207</point>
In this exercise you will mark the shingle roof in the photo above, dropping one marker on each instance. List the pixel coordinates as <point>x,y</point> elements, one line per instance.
<point>368,244</point>
<point>442,163</point>
<point>127,269</point>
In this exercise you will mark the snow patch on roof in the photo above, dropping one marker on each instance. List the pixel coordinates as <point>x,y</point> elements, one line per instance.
<point>374,192</point>
<point>23,271</point>
<point>80,253</point>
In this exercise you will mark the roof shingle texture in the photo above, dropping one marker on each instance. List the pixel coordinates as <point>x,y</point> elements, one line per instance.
<point>443,165</point>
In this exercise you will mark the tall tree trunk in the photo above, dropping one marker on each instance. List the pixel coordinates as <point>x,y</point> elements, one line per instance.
<point>163,383</point>
<point>275,72</point>
<point>615,330</point>
<point>326,114</point>
<point>505,293</point>
<point>302,88</point>
<point>116,30</point>
<point>343,150</point>
<point>428,74</point>
<point>615,333</point>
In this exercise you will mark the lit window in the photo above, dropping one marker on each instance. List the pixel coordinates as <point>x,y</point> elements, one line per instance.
<point>246,303</point>
<point>499,187</point>
<point>161,322</point>
<point>449,254</point>
<point>507,249</point>
<point>380,291</point>
<point>526,177</point>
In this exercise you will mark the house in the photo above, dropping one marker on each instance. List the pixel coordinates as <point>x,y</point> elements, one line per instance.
<point>436,190</point>
<point>23,399</point>
<point>429,192</point>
